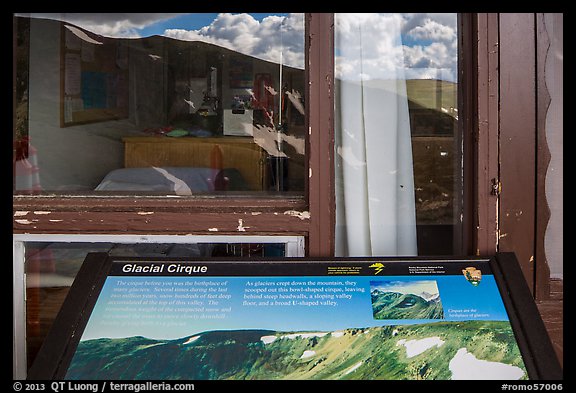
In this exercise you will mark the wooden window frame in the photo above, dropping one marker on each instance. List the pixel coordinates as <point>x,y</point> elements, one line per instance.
<point>490,222</point>
<point>311,216</point>
<point>511,156</point>
<point>199,215</point>
<point>505,207</point>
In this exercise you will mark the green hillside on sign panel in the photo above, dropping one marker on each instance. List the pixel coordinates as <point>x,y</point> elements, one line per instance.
<point>439,350</point>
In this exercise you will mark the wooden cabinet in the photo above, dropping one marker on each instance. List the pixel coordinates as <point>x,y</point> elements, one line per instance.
<point>239,153</point>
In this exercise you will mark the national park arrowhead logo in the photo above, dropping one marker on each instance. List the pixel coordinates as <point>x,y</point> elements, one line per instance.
<point>378,267</point>
<point>473,275</point>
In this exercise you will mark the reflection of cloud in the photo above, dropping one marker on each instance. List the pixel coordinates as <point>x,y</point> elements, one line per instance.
<point>270,90</point>
<point>434,56</point>
<point>407,287</point>
<point>264,39</point>
<point>180,187</point>
<point>433,31</point>
<point>422,44</point>
<point>427,41</point>
<point>190,103</point>
<point>297,143</point>
<point>273,38</point>
<point>83,36</point>
<point>108,24</point>
<point>296,100</point>
<point>268,138</point>
<point>349,158</point>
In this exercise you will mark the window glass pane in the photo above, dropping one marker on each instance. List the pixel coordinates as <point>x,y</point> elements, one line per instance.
<point>398,143</point>
<point>160,103</point>
<point>52,266</point>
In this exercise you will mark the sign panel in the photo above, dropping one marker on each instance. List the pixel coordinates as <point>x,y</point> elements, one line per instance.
<point>170,319</point>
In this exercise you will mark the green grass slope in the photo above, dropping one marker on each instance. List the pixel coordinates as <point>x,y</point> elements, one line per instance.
<point>362,353</point>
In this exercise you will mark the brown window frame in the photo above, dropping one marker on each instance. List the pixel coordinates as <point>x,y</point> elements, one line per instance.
<point>198,215</point>
<point>490,113</point>
<point>311,216</point>
<point>505,206</point>
<point>509,109</point>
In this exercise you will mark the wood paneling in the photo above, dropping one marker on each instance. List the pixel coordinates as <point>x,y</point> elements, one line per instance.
<point>542,284</point>
<point>320,58</point>
<point>517,139</point>
<point>228,152</point>
<point>510,206</point>
<point>164,222</point>
<point>507,149</point>
<point>486,138</point>
<point>552,313</point>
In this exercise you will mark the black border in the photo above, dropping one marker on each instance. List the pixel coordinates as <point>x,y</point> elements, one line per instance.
<point>66,330</point>
<point>60,344</point>
<point>531,333</point>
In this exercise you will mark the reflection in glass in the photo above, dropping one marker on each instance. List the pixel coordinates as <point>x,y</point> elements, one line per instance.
<point>160,104</point>
<point>398,146</point>
<point>52,267</point>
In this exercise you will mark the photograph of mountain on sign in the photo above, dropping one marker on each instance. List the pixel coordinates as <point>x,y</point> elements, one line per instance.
<point>406,300</point>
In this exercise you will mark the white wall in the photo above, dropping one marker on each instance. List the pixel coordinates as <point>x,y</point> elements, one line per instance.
<point>554,243</point>
<point>76,157</point>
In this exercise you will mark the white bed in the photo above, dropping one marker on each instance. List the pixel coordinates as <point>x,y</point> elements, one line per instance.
<point>188,165</point>
<point>177,180</point>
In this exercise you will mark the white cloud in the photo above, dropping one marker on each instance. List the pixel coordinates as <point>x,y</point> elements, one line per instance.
<point>368,46</point>
<point>392,45</point>
<point>264,39</point>
<point>433,31</point>
<point>413,46</point>
<point>124,25</point>
<point>436,55</point>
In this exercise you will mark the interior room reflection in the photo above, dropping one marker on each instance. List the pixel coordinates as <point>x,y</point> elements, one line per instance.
<point>154,115</point>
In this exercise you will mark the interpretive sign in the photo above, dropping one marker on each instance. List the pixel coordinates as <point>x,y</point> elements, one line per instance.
<point>354,318</point>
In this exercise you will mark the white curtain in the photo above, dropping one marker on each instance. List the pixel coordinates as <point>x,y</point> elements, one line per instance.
<point>375,209</point>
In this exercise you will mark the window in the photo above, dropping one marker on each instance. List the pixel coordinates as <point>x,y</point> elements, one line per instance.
<point>190,104</point>
<point>50,264</point>
<point>106,122</point>
<point>398,148</point>
<point>261,107</point>
<point>181,140</point>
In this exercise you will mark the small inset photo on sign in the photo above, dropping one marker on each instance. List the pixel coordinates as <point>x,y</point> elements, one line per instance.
<point>418,299</point>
